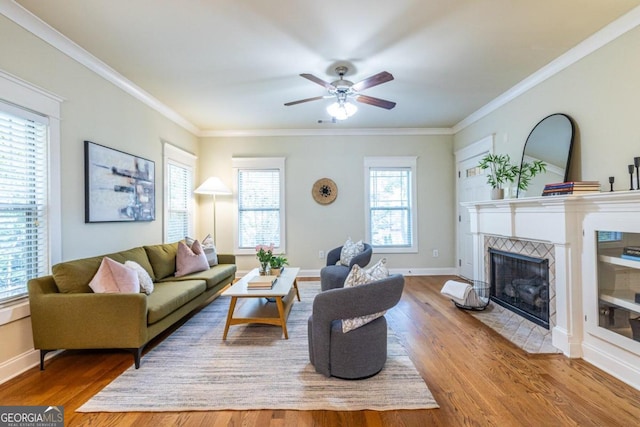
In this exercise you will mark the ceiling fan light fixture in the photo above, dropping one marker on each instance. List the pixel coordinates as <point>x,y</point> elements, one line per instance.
<point>342,110</point>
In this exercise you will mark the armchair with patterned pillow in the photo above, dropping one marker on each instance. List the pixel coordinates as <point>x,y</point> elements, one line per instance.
<point>339,263</point>
<point>360,352</point>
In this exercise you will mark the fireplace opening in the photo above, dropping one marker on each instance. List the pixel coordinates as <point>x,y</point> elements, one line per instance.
<point>520,283</point>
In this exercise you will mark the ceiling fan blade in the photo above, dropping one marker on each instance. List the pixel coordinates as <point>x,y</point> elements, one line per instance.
<point>376,102</point>
<point>378,79</point>
<point>317,81</point>
<point>300,101</point>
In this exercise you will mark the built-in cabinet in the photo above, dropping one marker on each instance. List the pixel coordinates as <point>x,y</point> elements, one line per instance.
<point>618,284</point>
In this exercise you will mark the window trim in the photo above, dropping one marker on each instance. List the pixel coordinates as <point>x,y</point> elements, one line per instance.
<point>392,162</point>
<point>178,157</point>
<point>259,163</point>
<point>26,96</point>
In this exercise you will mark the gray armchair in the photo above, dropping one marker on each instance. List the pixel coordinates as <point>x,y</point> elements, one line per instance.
<point>332,276</point>
<point>359,353</point>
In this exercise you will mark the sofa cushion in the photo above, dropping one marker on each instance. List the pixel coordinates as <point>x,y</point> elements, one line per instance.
<point>167,297</point>
<point>138,255</point>
<point>162,259</point>
<point>146,282</point>
<point>190,259</point>
<point>113,278</point>
<point>74,276</point>
<point>213,276</point>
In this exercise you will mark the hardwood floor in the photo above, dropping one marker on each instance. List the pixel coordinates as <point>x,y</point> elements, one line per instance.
<point>477,377</point>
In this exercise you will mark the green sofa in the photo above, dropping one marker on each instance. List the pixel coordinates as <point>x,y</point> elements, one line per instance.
<point>67,314</point>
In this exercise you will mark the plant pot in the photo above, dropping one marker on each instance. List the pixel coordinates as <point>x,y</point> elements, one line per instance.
<point>276,271</point>
<point>497,193</point>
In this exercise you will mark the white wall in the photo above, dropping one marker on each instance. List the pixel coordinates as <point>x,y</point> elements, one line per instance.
<point>94,110</point>
<point>312,227</point>
<point>601,93</point>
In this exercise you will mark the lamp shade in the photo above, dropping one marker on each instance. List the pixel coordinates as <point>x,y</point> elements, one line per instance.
<point>212,185</point>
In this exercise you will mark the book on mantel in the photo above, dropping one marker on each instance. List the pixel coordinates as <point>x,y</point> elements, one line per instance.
<point>261,282</point>
<point>571,187</point>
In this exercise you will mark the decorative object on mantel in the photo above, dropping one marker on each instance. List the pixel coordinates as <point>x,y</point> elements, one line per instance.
<point>502,171</point>
<point>612,179</point>
<point>550,141</point>
<point>636,162</point>
<point>631,176</point>
<point>572,187</point>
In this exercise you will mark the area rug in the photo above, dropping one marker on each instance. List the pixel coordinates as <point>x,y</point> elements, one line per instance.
<point>193,369</point>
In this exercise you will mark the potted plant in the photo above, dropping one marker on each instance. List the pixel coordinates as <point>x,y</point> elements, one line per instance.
<point>264,255</point>
<point>528,171</point>
<point>502,172</point>
<point>277,264</point>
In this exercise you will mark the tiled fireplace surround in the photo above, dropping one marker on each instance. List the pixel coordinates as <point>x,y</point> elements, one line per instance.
<point>555,225</point>
<point>530,249</point>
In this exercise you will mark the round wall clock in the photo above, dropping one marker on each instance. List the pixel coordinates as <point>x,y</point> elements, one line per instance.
<point>324,191</point>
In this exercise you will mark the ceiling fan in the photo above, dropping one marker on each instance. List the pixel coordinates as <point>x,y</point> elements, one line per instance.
<point>344,90</point>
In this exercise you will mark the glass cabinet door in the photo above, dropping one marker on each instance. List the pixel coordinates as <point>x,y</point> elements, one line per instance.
<point>619,282</point>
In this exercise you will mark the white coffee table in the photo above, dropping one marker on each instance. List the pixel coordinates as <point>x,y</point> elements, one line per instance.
<point>255,308</point>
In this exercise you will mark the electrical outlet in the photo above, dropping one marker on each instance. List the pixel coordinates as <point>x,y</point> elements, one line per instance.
<point>321,254</point>
<point>436,253</point>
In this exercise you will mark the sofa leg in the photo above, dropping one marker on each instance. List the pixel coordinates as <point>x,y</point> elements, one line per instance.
<point>42,354</point>
<point>137,355</point>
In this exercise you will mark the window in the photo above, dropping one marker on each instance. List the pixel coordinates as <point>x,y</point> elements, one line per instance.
<point>391,214</point>
<point>179,171</point>
<point>259,196</point>
<point>24,183</point>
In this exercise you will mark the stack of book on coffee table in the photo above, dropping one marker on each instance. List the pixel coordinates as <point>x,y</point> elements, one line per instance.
<point>571,187</point>
<point>261,282</point>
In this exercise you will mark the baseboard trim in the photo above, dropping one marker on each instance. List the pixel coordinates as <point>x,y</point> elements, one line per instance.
<point>612,365</point>
<point>448,271</point>
<point>19,364</point>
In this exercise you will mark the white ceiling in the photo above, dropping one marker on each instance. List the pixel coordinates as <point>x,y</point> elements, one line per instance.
<point>232,64</point>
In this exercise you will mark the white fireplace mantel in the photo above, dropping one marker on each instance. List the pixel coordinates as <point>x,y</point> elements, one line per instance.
<point>560,221</point>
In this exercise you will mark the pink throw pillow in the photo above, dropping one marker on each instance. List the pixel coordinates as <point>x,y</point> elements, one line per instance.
<point>113,277</point>
<point>190,260</point>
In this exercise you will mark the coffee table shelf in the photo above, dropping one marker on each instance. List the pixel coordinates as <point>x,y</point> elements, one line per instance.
<point>254,306</point>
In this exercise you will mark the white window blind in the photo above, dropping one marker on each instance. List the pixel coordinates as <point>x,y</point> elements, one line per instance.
<point>390,202</point>
<point>180,188</point>
<point>258,207</point>
<point>24,237</point>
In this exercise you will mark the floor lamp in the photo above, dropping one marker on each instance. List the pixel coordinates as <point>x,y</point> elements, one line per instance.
<point>213,186</point>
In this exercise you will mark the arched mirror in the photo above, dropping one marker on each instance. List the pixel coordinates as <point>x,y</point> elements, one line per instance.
<point>551,141</point>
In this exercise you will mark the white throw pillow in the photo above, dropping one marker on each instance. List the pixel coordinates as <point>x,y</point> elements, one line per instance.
<point>146,283</point>
<point>379,270</point>
<point>349,250</point>
<point>358,276</point>
<point>113,277</point>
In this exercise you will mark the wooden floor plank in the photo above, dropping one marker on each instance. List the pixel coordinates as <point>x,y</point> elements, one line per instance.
<point>477,377</point>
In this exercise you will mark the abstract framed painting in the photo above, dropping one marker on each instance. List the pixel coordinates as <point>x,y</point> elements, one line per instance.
<point>119,187</point>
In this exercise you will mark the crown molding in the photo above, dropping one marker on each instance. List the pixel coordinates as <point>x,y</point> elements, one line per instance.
<point>326,132</point>
<point>607,34</point>
<point>44,31</point>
